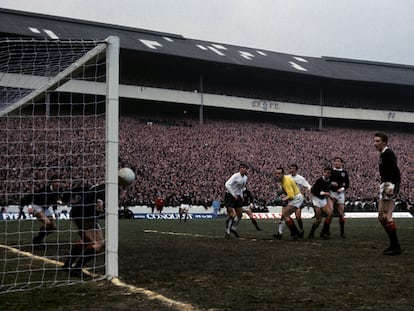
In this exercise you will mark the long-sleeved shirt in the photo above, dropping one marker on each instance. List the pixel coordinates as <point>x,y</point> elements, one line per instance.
<point>301,181</point>
<point>290,187</point>
<point>320,185</point>
<point>341,177</point>
<point>235,184</point>
<point>45,197</point>
<point>388,167</point>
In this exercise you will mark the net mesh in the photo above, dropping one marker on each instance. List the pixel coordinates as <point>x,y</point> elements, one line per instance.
<point>57,131</point>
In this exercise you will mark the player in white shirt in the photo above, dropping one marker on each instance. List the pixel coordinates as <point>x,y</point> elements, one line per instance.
<point>233,199</point>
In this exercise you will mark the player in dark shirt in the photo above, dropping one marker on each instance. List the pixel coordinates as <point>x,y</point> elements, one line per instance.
<point>339,185</point>
<point>87,207</point>
<point>389,189</point>
<point>248,204</point>
<point>320,192</point>
<point>185,204</point>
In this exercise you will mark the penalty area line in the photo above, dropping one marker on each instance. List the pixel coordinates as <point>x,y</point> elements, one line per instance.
<point>181,306</point>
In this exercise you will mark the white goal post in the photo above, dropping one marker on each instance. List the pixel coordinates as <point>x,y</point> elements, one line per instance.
<point>58,121</point>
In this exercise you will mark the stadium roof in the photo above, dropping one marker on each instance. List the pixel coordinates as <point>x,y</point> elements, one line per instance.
<point>23,24</point>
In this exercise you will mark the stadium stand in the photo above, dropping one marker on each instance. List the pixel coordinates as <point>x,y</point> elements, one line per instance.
<point>246,100</point>
<point>181,157</point>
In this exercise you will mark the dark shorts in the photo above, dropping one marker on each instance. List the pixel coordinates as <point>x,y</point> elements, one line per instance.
<point>231,202</point>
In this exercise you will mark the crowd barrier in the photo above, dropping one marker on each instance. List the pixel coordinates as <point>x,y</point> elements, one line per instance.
<point>195,212</point>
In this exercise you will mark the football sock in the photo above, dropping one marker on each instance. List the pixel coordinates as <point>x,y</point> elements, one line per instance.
<point>229,223</point>
<point>255,223</point>
<point>313,229</point>
<point>74,252</point>
<point>281,226</point>
<point>342,224</point>
<point>88,254</point>
<point>391,229</point>
<point>236,220</point>
<point>40,236</point>
<point>292,227</point>
<point>326,224</point>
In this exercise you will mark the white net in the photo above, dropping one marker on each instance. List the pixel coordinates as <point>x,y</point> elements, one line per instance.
<point>53,139</point>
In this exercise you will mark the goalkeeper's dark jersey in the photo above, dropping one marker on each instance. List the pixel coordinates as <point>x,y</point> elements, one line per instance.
<point>84,199</point>
<point>45,197</point>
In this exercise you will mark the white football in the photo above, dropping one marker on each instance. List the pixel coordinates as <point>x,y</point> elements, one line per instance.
<point>126,176</point>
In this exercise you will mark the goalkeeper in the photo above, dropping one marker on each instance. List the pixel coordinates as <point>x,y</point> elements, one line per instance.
<point>87,207</point>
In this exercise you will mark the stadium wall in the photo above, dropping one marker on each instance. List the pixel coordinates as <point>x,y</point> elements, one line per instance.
<point>260,105</point>
<point>222,101</point>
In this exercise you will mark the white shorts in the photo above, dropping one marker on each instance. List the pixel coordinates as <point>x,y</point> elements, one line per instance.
<point>339,197</point>
<point>38,209</point>
<point>297,201</point>
<point>386,191</point>
<point>247,207</point>
<point>318,202</point>
<point>185,207</point>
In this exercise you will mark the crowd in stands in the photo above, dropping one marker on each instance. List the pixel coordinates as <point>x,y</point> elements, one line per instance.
<point>176,159</point>
<point>180,158</point>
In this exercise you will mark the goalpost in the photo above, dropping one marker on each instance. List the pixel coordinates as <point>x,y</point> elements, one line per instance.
<point>58,117</point>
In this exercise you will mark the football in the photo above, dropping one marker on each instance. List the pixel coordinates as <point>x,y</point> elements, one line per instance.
<point>126,176</point>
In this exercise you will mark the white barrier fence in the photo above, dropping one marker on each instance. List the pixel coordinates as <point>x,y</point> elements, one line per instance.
<point>145,212</point>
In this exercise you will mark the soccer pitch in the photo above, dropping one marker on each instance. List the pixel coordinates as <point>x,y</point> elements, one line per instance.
<point>191,266</point>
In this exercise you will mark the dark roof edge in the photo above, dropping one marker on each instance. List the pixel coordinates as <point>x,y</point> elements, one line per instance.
<point>365,62</point>
<point>91,23</point>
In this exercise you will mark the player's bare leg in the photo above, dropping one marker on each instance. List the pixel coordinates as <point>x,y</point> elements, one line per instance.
<point>298,215</point>
<point>48,227</point>
<point>286,212</point>
<point>252,219</point>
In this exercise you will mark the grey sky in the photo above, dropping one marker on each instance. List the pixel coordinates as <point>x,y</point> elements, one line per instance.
<point>377,30</point>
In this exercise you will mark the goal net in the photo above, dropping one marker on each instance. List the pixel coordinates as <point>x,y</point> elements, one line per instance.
<point>58,138</point>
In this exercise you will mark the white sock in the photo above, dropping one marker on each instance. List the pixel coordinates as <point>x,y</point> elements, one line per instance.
<point>281,226</point>
<point>235,223</point>
<point>229,225</point>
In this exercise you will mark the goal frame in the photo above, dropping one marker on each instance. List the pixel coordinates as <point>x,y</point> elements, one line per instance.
<point>108,49</point>
<point>112,149</point>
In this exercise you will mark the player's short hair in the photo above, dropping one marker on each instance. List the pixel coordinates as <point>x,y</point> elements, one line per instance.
<point>327,168</point>
<point>294,165</point>
<point>280,169</point>
<point>381,135</point>
<point>242,164</point>
<point>54,177</point>
<point>338,158</point>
